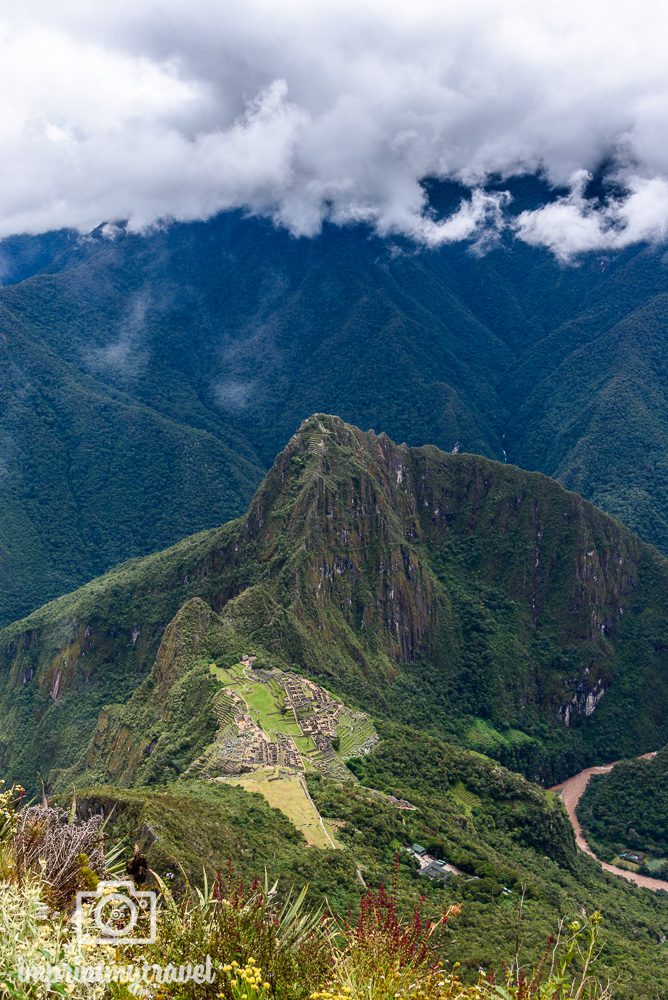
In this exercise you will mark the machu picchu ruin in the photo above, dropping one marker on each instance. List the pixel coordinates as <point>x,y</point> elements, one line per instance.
<point>277,725</point>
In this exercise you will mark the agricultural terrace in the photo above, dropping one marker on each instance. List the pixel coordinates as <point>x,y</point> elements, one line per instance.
<point>273,726</point>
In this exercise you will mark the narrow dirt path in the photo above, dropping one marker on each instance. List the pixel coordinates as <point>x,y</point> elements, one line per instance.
<point>571,791</point>
<point>334,844</point>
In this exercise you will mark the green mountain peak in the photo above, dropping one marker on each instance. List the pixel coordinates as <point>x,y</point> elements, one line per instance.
<point>445,591</point>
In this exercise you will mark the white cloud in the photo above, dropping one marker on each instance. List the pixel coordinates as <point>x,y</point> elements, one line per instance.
<point>573,225</point>
<point>336,111</point>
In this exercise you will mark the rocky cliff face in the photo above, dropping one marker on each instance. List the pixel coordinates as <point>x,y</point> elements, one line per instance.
<point>423,585</point>
<point>341,499</point>
<point>365,521</point>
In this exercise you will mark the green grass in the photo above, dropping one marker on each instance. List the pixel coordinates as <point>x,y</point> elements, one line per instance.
<point>483,735</point>
<point>465,797</point>
<point>264,699</point>
<point>287,792</point>
<point>229,676</point>
<point>623,863</point>
<point>353,733</point>
<point>265,709</point>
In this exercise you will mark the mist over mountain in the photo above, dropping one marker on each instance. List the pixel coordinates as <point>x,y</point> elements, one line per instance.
<point>148,380</point>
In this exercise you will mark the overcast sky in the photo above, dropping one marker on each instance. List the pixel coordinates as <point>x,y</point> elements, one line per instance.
<point>306,110</point>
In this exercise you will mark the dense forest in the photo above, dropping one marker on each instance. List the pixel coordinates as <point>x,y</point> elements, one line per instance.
<point>625,814</point>
<point>147,381</point>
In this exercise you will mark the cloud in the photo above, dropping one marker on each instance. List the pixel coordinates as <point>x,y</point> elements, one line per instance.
<point>126,353</point>
<point>233,394</point>
<point>573,224</point>
<point>335,111</point>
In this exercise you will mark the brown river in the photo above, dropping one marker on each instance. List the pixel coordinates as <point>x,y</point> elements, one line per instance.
<point>571,791</point>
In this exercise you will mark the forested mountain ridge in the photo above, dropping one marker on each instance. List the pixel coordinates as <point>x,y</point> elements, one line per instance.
<point>448,592</point>
<point>625,814</point>
<point>147,381</point>
<point>439,599</point>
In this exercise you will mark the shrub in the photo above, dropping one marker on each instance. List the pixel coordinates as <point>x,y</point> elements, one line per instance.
<point>260,944</point>
<point>393,961</point>
<point>32,937</point>
<point>383,956</point>
<point>67,854</point>
<point>265,949</point>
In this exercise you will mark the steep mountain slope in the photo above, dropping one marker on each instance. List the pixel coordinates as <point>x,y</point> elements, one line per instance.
<point>449,592</point>
<point>148,380</point>
<point>597,416</point>
<point>89,475</point>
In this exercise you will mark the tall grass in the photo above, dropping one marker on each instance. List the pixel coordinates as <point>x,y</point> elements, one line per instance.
<point>261,944</point>
<point>269,948</point>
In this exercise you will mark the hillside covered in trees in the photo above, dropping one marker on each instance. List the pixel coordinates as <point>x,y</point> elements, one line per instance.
<point>147,381</point>
<point>625,814</point>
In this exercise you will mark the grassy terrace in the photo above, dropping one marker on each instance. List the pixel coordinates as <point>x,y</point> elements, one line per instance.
<point>266,703</point>
<point>305,745</point>
<point>485,737</point>
<point>353,733</point>
<point>465,797</point>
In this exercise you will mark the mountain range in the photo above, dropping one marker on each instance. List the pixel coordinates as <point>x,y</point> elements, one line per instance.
<point>147,380</point>
<point>452,593</point>
<point>376,647</point>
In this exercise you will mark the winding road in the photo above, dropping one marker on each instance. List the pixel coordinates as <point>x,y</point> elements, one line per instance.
<point>571,791</point>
